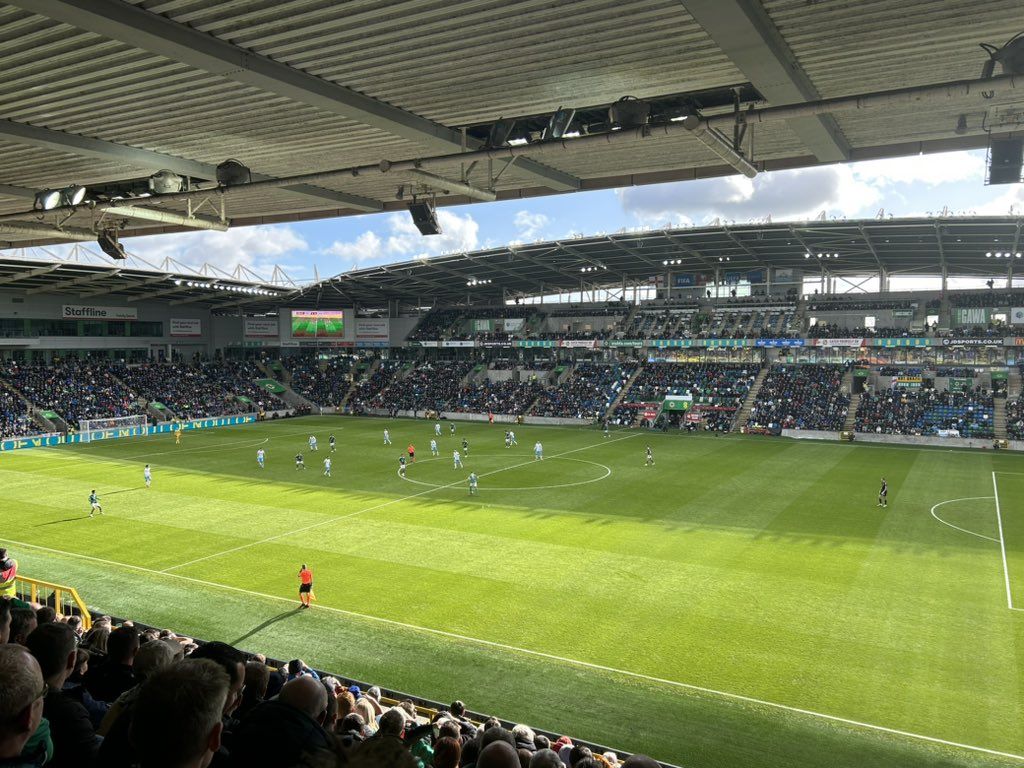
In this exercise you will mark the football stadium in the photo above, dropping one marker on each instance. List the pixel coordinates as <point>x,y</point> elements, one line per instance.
<point>711,493</point>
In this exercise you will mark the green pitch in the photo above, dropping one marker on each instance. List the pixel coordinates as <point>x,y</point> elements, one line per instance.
<point>318,327</point>
<point>709,610</point>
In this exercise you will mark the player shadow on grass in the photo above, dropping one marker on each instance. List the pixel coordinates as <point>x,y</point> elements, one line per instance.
<point>62,520</point>
<point>269,622</point>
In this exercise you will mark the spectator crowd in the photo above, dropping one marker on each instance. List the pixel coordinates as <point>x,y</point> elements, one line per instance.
<point>132,697</point>
<point>927,411</point>
<point>801,397</point>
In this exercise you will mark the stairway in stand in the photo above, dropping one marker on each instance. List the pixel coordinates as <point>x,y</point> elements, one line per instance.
<point>744,413</point>
<point>851,416</point>
<point>999,419</point>
<point>622,392</point>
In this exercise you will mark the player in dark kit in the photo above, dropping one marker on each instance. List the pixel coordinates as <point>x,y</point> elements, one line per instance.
<point>883,494</point>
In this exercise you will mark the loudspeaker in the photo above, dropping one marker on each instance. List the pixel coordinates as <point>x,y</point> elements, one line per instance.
<point>1005,157</point>
<point>110,246</point>
<point>424,218</point>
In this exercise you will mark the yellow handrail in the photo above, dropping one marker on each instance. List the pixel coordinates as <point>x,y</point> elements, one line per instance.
<point>65,600</point>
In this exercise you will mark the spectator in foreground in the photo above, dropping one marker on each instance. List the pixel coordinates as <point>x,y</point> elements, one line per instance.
<point>23,622</point>
<point>116,675</point>
<point>5,620</point>
<point>21,709</point>
<point>285,731</point>
<point>75,741</point>
<point>177,720</point>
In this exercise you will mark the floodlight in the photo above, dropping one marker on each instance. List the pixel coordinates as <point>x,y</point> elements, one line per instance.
<point>231,173</point>
<point>166,183</point>
<point>424,218</point>
<point>109,245</point>
<point>46,199</point>
<point>629,112</point>
<point>72,195</point>
<point>500,132</point>
<point>559,123</point>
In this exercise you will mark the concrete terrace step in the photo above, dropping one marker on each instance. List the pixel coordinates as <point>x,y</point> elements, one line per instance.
<point>744,412</point>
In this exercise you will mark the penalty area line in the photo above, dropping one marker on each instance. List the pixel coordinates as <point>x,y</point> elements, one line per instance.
<point>541,654</point>
<point>1002,543</point>
<point>964,530</point>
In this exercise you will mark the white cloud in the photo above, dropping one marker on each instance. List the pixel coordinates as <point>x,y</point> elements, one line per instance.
<point>366,247</point>
<point>946,168</point>
<point>798,194</point>
<point>530,225</point>
<point>259,248</point>
<point>851,190</point>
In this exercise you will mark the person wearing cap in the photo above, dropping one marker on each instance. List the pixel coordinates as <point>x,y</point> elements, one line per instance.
<point>8,574</point>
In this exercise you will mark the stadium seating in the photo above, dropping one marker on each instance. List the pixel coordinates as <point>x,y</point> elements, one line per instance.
<point>502,397</point>
<point>324,382</point>
<point>239,377</point>
<point>189,391</point>
<point>716,388</point>
<point>587,393</point>
<point>801,397</point>
<point>901,411</point>
<point>366,390</point>
<point>75,389</point>
<point>14,417</point>
<point>425,387</point>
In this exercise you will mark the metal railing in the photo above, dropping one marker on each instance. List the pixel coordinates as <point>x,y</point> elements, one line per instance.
<point>63,599</point>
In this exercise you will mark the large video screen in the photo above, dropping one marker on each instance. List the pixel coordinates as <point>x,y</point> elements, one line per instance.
<point>318,323</point>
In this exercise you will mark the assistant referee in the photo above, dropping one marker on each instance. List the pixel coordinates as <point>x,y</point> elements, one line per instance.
<point>305,586</point>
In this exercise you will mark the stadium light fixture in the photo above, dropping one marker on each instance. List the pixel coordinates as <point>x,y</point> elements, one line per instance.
<point>500,132</point>
<point>109,245</point>
<point>72,195</point>
<point>166,183</point>
<point>559,123</point>
<point>46,199</point>
<point>988,255</point>
<point>232,173</point>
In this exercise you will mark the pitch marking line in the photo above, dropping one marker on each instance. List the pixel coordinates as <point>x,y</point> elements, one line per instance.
<point>952,501</point>
<point>1002,543</point>
<point>372,508</point>
<point>606,475</point>
<point>537,654</point>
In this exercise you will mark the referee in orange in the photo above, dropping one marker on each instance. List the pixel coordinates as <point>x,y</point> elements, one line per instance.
<point>305,586</point>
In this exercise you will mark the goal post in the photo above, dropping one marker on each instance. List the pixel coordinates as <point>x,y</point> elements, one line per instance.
<point>86,427</point>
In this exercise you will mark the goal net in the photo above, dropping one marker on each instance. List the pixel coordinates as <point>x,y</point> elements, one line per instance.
<point>87,426</point>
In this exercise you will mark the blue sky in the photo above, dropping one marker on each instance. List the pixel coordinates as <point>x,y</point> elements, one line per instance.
<point>911,186</point>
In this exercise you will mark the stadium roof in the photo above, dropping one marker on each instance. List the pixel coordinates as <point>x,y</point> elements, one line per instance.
<point>103,93</point>
<point>971,247</point>
<point>965,247</point>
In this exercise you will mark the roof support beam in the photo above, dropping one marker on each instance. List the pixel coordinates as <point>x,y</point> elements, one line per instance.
<point>871,247</point>
<point>135,26</point>
<point>123,287</point>
<point>84,280</point>
<point>29,273</point>
<point>157,294</point>
<point>71,143</point>
<point>23,193</point>
<point>746,34</point>
<point>634,254</point>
